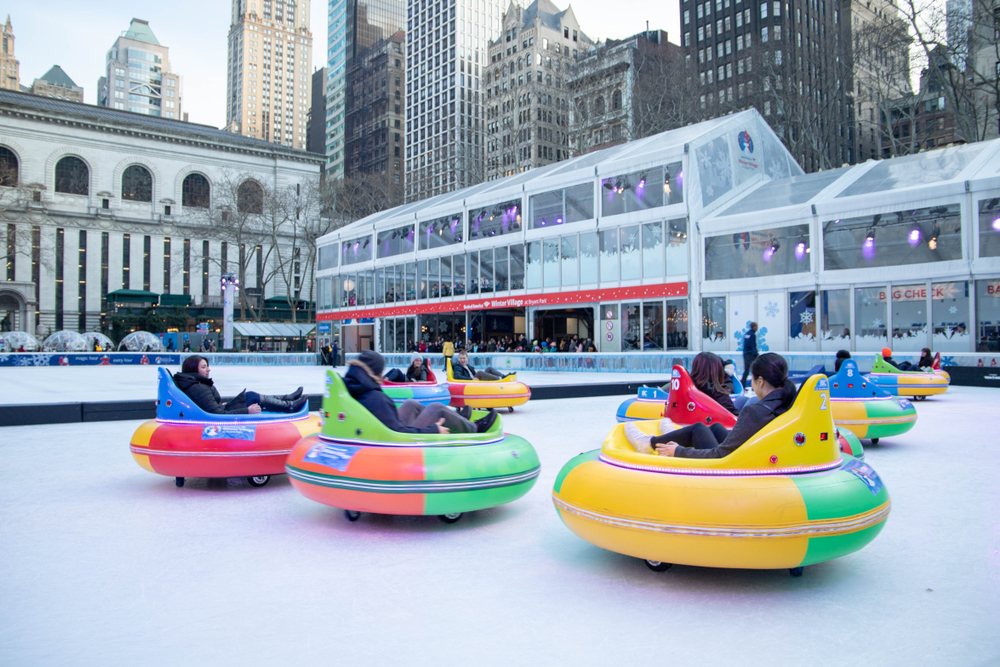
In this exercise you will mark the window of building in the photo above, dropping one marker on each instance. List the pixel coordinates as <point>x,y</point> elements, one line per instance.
<point>9,168</point>
<point>137,184</point>
<point>767,252</point>
<point>989,227</point>
<point>439,232</point>
<point>195,191</point>
<point>250,198</point>
<point>914,236</point>
<point>72,176</point>
<point>557,207</point>
<point>641,190</point>
<point>988,315</point>
<point>495,220</point>
<point>392,242</point>
<point>713,323</point>
<point>356,250</point>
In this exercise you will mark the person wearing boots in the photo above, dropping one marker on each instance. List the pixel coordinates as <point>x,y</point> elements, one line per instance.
<point>194,381</point>
<point>363,380</point>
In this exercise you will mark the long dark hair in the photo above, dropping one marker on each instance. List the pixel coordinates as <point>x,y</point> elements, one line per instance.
<point>707,370</point>
<point>774,369</point>
<point>190,364</point>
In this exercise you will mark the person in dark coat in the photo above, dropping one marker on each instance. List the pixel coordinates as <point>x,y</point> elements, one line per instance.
<point>839,361</point>
<point>417,372</point>
<point>194,381</point>
<point>463,371</point>
<point>709,376</point>
<point>749,350</point>
<point>363,380</point>
<point>334,355</point>
<point>771,385</point>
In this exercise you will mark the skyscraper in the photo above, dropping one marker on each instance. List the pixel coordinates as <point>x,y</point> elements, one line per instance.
<point>138,76</point>
<point>315,124</point>
<point>527,87</point>
<point>355,27</point>
<point>269,64</point>
<point>10,75</point>
<point>447,44</point>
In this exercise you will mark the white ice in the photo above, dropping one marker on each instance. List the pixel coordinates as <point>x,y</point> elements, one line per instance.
<point>104,563</point>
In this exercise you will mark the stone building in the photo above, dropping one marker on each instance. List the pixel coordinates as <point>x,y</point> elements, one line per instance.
<point>268,66</point>
<point>527,91</point>
<point>94,201</point>
<point>604,86</point>
<point>10,74</point>
<point>56,83</point>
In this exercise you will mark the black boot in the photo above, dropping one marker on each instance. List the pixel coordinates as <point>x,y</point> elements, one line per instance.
<point>294,396</point>
<point>465,411</point>
<point>278,404</point>
<point>484,424</point>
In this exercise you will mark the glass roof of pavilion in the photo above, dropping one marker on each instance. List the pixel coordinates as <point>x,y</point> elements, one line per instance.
<point>870,180</point>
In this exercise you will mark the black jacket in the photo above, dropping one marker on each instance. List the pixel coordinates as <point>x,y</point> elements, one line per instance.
<point>459,372</point>
<point>414,375</point>
<point>721,398</point>
<point>369,394</point>
<point>202,391</point>
<point>753,418</point>
<point>750,343</point>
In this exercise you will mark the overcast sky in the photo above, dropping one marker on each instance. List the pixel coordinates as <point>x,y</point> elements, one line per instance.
<point>77,35</point>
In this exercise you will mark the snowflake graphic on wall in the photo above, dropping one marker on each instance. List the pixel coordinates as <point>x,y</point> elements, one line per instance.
<point>876,323</point>
<point>771,309</point>
<point>806,317</point>
<point>953,310</point>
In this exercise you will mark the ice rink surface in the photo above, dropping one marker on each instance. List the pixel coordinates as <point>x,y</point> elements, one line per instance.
<point>104,563</point>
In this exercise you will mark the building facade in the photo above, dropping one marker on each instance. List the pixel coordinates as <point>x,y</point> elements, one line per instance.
<point>606,84</point>
<point>56,83</point>
<point>316,122</point>
<point>269,61</point>
<point>527,88</point>
<point>10,66</point>
<point>96,201</point>
<point>138,76</point>
<point>355,27</point>
<point>374,112</point>
<point>677,242</point>
<point>447,51</point>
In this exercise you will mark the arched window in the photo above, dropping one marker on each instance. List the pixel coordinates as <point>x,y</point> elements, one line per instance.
<point>599,106</point>
<point>72,176</point>
<point>581,108</point>
<point>250,197</point>
<point>195,191</point>
<point>9,168</point>
<point>137,184</point>
<point>616,100</point>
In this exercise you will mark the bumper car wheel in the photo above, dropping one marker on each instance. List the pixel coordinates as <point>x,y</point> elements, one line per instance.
<point>450,518</point>
<point>657,566</point>
<point>259,480</point>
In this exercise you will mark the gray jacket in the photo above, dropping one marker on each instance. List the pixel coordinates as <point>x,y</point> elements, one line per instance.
<point>752,418</point>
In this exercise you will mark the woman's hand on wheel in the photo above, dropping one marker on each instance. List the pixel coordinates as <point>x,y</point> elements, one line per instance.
<point>253,409</point>
<point>666,449</point>
<point>442,429</point>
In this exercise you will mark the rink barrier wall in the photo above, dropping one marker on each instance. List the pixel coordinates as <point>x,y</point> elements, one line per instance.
<point>629,362</point>
<point>69,413</point>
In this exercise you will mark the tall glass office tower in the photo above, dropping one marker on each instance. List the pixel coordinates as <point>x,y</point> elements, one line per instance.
<point>353,27</point>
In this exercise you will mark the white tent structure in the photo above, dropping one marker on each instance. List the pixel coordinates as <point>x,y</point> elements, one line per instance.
<point>680,240</point>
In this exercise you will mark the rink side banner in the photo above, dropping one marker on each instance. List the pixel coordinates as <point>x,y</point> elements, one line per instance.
<point>89,359</point>
<point>553,299</point>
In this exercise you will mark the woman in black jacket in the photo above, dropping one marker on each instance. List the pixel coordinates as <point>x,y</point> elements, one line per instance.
<point>194,381</point>
<point>776,392</point>
<point>709,376</point>
<point>417,372</point>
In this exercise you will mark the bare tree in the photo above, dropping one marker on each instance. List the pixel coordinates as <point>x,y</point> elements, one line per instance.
<point>666,93</point>
<point>970,83</point>
<point>293,215</point>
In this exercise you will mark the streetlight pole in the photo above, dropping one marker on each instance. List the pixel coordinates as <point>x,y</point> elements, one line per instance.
<point>230,286</point>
